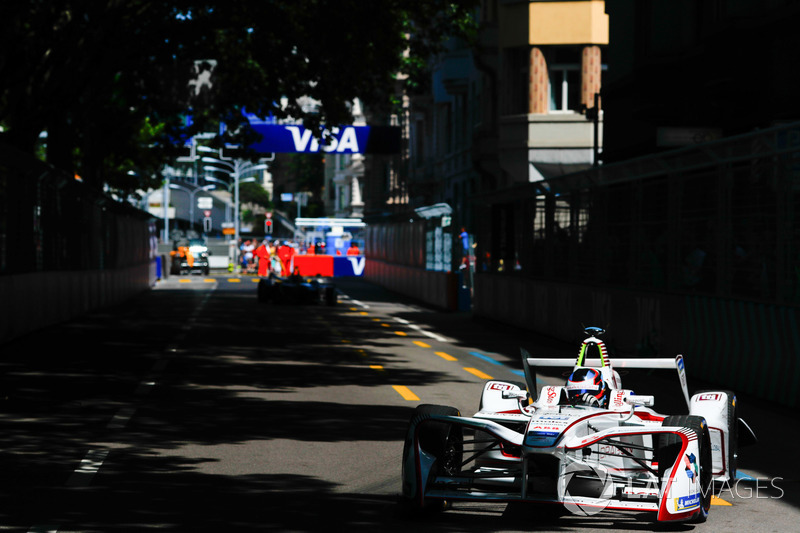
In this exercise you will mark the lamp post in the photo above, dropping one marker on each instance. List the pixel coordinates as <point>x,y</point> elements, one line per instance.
<point>227,185</point>
<point>235,169</point>
<point>191,193</point>
<point>165,204</point>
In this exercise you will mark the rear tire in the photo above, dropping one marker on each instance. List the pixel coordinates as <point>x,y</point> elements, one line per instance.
<point>264,290</point>
<point>331,297</point>
<point>444,441</point>
<point>669,446</point>
<point>732,449</point>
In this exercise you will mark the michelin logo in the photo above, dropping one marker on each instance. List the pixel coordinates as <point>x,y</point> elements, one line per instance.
<point>687,503</point>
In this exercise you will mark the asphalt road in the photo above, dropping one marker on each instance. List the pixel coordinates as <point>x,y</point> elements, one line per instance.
<point>195,408</point>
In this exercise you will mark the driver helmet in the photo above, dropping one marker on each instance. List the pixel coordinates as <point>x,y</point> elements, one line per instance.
<point>585,386</point>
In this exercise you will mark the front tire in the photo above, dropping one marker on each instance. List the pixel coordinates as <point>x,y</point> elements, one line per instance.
<point>442,440</point>
<point>669,446</point>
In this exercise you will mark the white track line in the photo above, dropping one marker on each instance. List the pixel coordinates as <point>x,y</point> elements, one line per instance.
<point>44,528</point>
<point>425,332</point>
<point>122,417</point>
<point>89,466</point>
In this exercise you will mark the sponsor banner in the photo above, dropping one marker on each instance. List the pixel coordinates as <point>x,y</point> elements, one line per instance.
<point>352,265</point>
<point>311,265</point>
<point>283,138</point>
<point>330,266</point>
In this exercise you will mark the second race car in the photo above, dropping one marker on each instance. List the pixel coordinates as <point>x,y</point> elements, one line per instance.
<point>296,289</point>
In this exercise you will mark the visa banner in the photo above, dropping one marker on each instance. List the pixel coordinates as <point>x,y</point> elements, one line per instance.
<point>283,138</point>
<point>328,265</point>
<point>349,265</point>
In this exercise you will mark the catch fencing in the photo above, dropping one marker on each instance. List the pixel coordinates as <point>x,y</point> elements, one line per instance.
<point>64,247</point>
<point>695,250</point>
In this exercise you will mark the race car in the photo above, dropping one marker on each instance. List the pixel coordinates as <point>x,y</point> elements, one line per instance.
<point>589,445</point>
<point>297,289</point>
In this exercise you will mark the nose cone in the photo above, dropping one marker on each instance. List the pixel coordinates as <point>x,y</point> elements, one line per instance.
<point>545,430</point>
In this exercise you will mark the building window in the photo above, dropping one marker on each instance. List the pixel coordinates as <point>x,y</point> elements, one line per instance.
<point>565,87</point>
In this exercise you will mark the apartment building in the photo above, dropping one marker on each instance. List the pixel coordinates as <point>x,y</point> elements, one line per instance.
<point>543,65</point>
<point>512,109</point>
<point>344,177</point>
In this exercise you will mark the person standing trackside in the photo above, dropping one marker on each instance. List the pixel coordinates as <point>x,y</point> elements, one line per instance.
<point>248,249</point>
<point>353,250</point>
<point>286,253</point>
<point>262,253</point>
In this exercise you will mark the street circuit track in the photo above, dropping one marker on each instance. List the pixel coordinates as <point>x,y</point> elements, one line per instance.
<point>195,408</point>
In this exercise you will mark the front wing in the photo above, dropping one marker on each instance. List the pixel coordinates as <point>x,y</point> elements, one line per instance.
<point>615,469</point>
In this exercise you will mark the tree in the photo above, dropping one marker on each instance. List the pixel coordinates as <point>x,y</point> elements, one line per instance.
<point>109,81</point>
<point>254,193</point>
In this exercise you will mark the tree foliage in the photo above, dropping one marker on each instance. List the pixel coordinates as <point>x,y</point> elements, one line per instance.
<point>108,81</point>
<point>253,193</point>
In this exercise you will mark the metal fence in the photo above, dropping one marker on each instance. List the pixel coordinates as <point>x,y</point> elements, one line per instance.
<point>719,219</point>
<point>49,221</point>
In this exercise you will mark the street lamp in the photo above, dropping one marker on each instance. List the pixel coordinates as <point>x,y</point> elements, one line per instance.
<point>228,185</point>
<point>191,194</point>
<point>235,169</point>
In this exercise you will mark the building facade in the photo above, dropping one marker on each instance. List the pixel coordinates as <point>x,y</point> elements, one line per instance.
<point>344,177</point>
<point>515,107</point>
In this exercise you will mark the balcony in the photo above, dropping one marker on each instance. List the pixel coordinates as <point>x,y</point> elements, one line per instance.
<point>534,147</point>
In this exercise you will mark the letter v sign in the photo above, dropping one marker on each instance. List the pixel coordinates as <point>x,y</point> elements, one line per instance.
<point>358,264</point>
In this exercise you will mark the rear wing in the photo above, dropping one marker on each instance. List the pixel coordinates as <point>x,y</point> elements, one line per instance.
<point>530,363</point>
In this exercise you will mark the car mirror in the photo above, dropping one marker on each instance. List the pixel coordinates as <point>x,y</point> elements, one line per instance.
<point>646,401</point>
<point>515,394</point>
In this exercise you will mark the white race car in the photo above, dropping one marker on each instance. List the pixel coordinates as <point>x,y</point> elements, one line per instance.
<point>589,445</point>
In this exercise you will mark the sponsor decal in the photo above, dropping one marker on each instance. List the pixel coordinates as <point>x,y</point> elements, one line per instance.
<point>708,397</point>
<point>640,492</point>
<point>617,400</point>
<point>540,428</point>
<point>501,386</point>
<point>551,394</point>
<point>687,503</point>
<point>542,436</point>
<point>553,417</point>
<point>690,461</point>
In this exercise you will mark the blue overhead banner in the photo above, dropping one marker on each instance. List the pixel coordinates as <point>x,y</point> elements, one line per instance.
<point>352,265</point>
<point>342,140</point>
